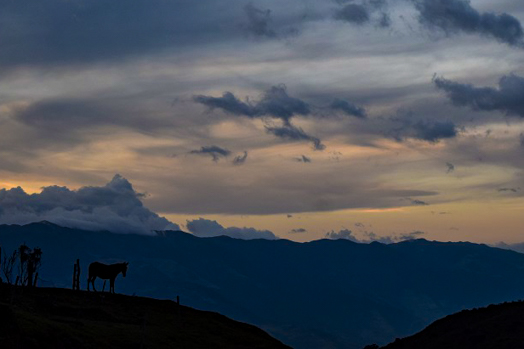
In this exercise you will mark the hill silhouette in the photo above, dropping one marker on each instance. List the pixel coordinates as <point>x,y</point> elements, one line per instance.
<point>326,293</point>
<point>60,318</point>
<point>493,327</point>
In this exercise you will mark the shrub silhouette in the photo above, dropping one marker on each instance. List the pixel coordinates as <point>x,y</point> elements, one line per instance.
<point>28,262</point>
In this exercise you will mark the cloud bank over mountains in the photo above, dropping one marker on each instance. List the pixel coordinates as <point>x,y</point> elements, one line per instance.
<point>208,228</point>
<point>369,237</point>
<point>115,207</point>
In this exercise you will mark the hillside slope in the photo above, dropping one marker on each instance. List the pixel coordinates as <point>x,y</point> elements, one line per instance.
<point>494,327</point>
<point>59,318</point>
<point>321,294</point>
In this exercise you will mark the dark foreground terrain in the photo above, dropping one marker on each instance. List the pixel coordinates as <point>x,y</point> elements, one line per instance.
<point>494,327</point>
<point>60,318</point>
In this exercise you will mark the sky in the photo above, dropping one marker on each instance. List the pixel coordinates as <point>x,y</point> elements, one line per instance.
<point>305,119</point>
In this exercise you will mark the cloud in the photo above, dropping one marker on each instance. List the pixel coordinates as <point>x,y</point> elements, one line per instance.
<point>521,139</point>
<point>229,103</point>
<point>418,202</point>
<point>293,133</point>
<point>411,236</point>
<point>364,12</point>
<point>86,31</point>
<point>303,159</point>
<point>259,22</point>
<point>72,114</point>
<point>207,228</point>
<point>353,13</point>
<point>406,125</point>
<point>384,21</point>
<point>214,151</point>
<point>506,98</point>
<point>513,190</point>
<point>275,102</point>
<point>115,207</point>
<point>450,166</point>
<point>348,108</point>
<point>433,131</point>
<point>298,231</point>
<point>240,159</point>
<point>346,234</point>
<point>453,16</point>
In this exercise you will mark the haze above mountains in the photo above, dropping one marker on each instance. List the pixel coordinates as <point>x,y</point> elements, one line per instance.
<point>325,293</point>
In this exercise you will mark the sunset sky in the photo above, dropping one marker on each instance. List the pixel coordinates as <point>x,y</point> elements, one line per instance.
<point>302,119</point>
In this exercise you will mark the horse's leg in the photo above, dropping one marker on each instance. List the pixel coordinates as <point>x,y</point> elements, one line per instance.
<point>104,287</point>
<point>88,280</point>
<point>93,283</point>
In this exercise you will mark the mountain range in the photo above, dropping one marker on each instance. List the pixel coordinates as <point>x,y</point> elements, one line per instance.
<point>320,294</point>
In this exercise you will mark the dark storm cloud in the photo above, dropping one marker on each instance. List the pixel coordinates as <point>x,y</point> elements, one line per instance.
<point>214,151</point>
<point>353,13</point>
<point>406,125</point>
<point>259,22</point>
<point>296,134</point>
<point>364,12</point>
<point>507,98</point>
<point>453,16</point>
<point>348,108</point>
<point>433,131</point>
<point>450,166</point>
<point>275,102</point>
<point>240,159</point>
<point>63,32</point>
<point>303,159</point>
<point>115,207</point>
<point>228,103</point>
<point>207,228</point>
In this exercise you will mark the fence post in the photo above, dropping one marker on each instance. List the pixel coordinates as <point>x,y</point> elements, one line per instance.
<point>76,275</point>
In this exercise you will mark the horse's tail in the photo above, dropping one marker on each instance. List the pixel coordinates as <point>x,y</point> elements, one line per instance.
<point>90,271</point>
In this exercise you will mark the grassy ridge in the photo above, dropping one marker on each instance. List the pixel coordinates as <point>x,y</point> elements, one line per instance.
<point>60,318</point>
<point>494,327</point>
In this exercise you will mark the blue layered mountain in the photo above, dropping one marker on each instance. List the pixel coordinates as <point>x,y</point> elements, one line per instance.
<point>321,294</point>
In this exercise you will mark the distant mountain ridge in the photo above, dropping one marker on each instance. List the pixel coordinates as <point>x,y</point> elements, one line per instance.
<point>325,293</point>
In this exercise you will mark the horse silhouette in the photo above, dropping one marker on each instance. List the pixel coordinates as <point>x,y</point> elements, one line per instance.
<point>106,271</point>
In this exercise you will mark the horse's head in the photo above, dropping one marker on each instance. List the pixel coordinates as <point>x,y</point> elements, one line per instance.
<point>124,269</point>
